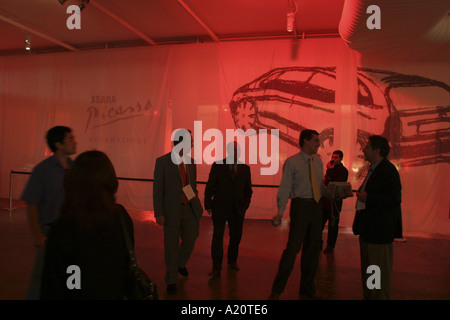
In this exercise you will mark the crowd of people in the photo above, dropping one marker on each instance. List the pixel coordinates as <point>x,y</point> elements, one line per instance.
<point>75,220</point>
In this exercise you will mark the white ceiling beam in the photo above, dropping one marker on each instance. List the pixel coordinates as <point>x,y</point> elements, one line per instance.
<point>192,13</point>
<point>36,32</point>
<point>123,22</point>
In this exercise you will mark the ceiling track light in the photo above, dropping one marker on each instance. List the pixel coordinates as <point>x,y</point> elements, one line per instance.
<point>83,4</point>
<point>291,15</point>
<point>27,42</point>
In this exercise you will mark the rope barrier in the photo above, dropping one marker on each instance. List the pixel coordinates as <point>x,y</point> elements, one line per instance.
<point>13,172</point>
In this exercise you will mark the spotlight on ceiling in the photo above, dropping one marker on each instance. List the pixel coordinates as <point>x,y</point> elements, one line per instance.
<point>291,15</point>
<point>62,1</point>
<point>27,42</point>
<point>290,21</point>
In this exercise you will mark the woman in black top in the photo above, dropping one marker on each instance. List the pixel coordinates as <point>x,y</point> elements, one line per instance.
<point>86,257</point>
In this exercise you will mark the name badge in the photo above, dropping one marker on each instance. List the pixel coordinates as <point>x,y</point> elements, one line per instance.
<point>189,192</point>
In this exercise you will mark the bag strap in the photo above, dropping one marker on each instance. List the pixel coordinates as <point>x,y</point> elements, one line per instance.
<point>127,238</point>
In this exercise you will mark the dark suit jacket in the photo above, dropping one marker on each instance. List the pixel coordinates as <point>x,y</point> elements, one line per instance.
<point>167,186</point>
<point>222,194</point>
<point>381,221</point>
<point>101,257</point>
<point>338,173</point>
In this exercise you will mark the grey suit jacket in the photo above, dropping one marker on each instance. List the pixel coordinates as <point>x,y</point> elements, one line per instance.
<point>167,186</point>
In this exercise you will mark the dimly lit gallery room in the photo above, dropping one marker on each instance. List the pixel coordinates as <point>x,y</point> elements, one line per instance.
<point>224,150</point>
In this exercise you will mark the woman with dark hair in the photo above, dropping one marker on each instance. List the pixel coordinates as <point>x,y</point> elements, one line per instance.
<point>86,256</point>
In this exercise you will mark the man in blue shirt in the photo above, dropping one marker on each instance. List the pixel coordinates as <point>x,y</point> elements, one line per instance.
<point>44,196</point>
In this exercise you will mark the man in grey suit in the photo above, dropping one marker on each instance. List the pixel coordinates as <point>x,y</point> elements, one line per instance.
<point>174,209</point>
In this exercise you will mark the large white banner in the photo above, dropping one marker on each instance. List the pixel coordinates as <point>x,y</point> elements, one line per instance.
<point>127,102</point>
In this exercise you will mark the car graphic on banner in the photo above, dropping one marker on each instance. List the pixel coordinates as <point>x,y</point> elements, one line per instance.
<point>295,98</point>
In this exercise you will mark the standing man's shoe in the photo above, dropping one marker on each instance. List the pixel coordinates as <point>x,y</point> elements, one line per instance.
<point>171,289</point>
<point>274,296</point>
<point>328,250</point>
<point>183,271</point>
<point>233,266</point>
<point>214,274</point>
<point>309,296</point>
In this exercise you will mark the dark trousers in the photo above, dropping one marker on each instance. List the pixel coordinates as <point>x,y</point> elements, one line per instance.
<point>381,256</point>
<point>34,291</point>
<point>333,226</point>
<point>235,227</point>
<point>305,230</point>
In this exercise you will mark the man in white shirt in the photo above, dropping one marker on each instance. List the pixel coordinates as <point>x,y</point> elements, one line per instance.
<point>302,183</point>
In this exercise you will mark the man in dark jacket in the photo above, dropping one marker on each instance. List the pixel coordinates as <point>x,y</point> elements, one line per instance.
<point>378,219</point>
<point>331,208</point>
<point>227,198</point>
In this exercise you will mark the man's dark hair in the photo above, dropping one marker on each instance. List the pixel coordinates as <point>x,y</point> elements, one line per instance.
<point>339,153</point>
<point>380,143</point>
<point>306,134</point>
<point>56,134</point>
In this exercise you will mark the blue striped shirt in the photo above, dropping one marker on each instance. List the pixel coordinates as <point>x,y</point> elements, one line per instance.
<point>44,189</point>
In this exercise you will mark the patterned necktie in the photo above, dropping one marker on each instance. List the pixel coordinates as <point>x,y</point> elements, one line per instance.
<point>363,186</point>
<point>314,184</point>
<point>183,179</point>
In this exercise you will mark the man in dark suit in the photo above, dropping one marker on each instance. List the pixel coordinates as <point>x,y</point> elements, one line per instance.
<point>174,210</point>
<point>331,208</point>
<point>227,197</point>
<point>378,219</point>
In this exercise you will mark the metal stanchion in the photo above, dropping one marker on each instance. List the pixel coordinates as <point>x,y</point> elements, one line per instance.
<point>10,208</point>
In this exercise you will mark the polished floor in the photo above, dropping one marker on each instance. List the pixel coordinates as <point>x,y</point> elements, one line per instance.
<point>421,265</point>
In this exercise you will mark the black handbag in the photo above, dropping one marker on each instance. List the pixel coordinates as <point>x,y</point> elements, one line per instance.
<point>138,285</point>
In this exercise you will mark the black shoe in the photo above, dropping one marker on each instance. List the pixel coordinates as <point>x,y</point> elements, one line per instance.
<point>328,250</point>
<point>309,296</point>
<point>214,274</point>
<point>183,271</point>
<point>274,296</point>
<point>171,289</point>
<point>233,266</point>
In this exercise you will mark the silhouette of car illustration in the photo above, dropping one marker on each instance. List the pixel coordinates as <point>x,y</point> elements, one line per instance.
<point>291,98</point>
<point>418,125</point>
<point>303,91</point>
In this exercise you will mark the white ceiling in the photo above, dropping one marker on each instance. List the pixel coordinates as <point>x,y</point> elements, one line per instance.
<point>119,23</point>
